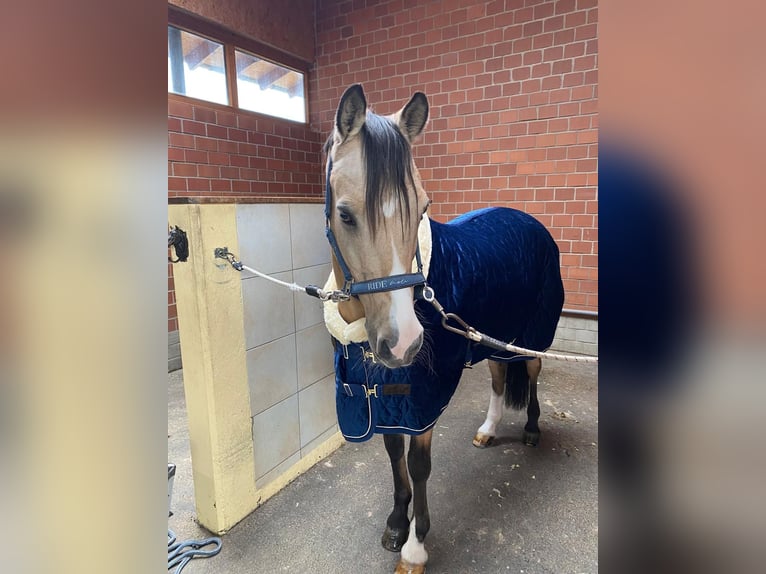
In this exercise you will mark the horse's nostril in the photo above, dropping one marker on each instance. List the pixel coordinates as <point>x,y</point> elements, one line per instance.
<point>414,349</point>
<point>384,349</point>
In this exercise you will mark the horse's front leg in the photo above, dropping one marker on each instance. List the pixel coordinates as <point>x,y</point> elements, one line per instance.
<point>414,555</point>
<point>398,524</point>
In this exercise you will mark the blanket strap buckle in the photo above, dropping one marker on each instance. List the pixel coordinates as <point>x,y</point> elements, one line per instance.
<point>370,392</point>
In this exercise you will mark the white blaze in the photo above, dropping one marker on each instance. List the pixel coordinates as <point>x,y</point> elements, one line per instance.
<point>389,208</point>
<point>402,313</point>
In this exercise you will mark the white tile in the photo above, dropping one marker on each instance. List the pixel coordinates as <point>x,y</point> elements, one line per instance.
<point>317,409</point>
<point>586,336</point>
<point>277,471</point>
<point>268,308</point>
<point>308,310</point>
<point>263,231</point>
<point>307,228</point>
<point>271,373</point>
<point>315,355</point>
<point>276,435</point>
<point>565,333</point>
<point>318,441</point>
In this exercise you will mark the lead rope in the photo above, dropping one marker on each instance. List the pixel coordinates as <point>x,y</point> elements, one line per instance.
<point>312,290</point>
<point>427,295</point>
<point>478,337</point>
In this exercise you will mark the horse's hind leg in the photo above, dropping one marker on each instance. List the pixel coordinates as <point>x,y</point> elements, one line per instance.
<point>397,525</point>
<point>414,555</point>
<point>487,431</point>
<point>531,430</point>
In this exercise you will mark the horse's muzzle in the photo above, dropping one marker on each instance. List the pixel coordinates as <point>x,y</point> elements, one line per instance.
<point>387,354</point>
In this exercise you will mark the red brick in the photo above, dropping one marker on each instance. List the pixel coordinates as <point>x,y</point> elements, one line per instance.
<point>574,50</point>
<point>204,143</point>
<point>220,185</point>
<point>523,15</point>
<point>551,83</point>
<point>541,70</point>
<point>180,109</point>
<point>533,57</point>
<point>551,152</point>
<point>208,171</point>
<point>181,140</point>
<point>226,119</point>
<point>582,93</point>
<point>192,127</point>
<point>544,10</point>
<point>219,132</point>
<point>586,32</point>
<point>589,136</point>
<point>205,115</point>
<point>219,158</point>
<point>553,24</point>
<point>577,180</point>
<point>575,19</point>
<point>175,154</point>
<point>587,165</point>
<point>184,170</point>
<point>564,6</point>
<point>562,66</point>
<point>177,184</point>
<point>574,79</point>
<point>563,37</point>
<point>198,184</point>
<point>195,156</point>
<point>584,4</point>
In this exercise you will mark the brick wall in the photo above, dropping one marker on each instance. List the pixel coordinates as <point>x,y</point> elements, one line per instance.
<point>214,151</point>
<point>513,91</point>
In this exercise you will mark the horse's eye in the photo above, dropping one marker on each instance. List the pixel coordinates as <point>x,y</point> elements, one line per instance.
<point>347,219</point>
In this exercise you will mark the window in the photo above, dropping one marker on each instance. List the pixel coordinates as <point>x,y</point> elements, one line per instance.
<point>269,88</point>
<point>232,70</point>
<point>196,67</point>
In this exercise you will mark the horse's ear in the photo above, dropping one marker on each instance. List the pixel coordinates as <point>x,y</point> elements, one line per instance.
<point>413,117</point>
<point>352,112</point>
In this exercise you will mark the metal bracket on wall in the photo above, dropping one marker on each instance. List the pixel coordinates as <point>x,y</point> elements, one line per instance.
<point>178,240</point>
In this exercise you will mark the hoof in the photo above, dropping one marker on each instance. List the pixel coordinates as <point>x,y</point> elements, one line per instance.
<point>531,438</point>
<point>405,567</point>
<point>482,440</point>
<point>394,539</point>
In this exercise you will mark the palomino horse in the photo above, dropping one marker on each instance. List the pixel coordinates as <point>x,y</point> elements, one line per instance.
<point>396,367</point>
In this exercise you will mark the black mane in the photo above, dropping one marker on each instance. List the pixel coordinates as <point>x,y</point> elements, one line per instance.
<point>388,163</point>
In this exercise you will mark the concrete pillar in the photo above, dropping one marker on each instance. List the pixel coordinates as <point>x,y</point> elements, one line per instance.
<point>209,303</point>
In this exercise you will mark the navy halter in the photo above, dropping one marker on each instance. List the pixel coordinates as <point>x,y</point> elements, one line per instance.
<point>378,285</point>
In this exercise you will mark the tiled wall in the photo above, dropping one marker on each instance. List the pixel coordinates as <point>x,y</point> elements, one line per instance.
<point>289,352</point>
<point>577,335</point>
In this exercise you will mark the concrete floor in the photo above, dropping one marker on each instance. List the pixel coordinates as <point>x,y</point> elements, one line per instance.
<point>508,508</point>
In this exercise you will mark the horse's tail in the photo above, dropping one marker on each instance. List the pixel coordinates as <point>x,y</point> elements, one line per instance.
<point>517,385</point>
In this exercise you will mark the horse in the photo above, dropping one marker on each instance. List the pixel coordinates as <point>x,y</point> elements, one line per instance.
<point>396,367</point>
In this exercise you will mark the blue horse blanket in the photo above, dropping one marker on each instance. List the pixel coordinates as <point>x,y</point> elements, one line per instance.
<point>498,269</point>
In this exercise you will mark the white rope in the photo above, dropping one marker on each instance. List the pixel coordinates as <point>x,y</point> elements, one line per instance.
<point>470,332</point>
<point>477,337</point>
<point>291,286</point>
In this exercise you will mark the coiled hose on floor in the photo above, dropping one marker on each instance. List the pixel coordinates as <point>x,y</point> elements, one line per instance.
<point>181,553</point>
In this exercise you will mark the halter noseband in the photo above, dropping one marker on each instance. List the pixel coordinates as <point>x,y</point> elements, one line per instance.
<point>378,285</point>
